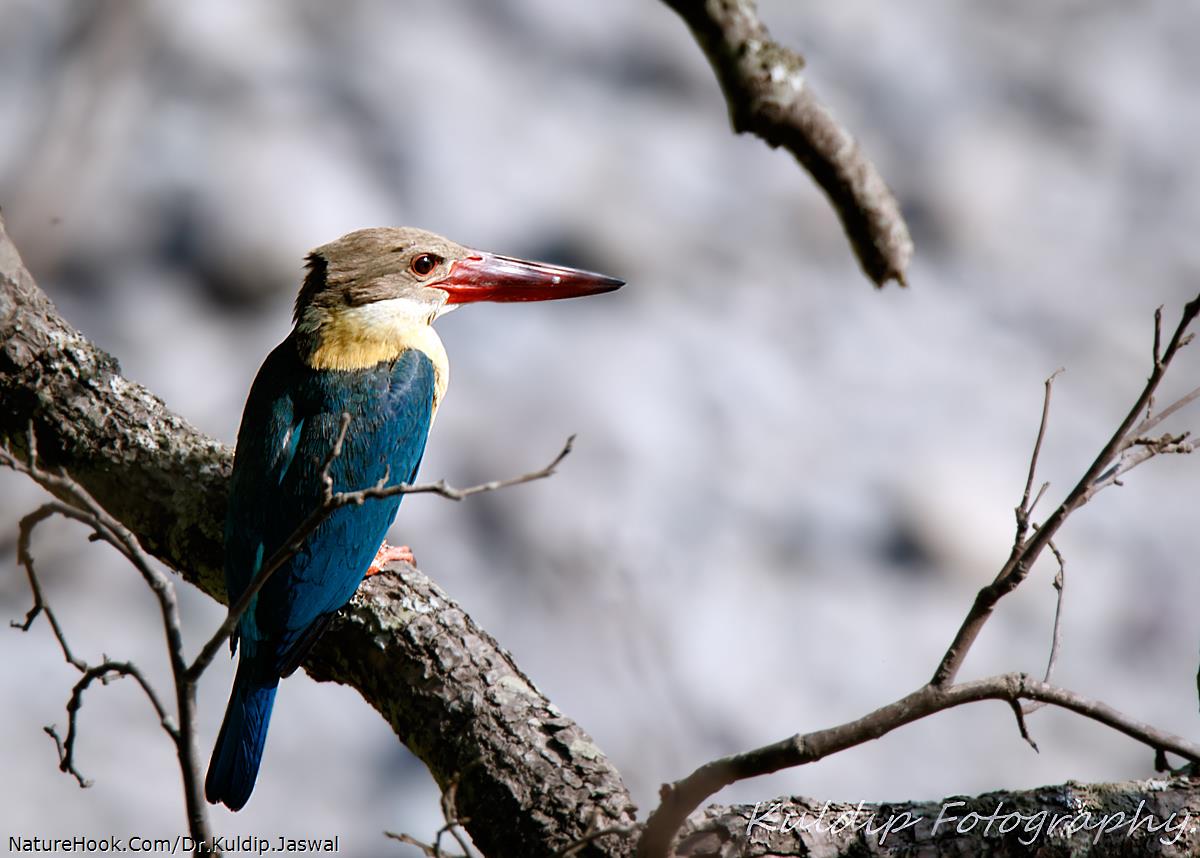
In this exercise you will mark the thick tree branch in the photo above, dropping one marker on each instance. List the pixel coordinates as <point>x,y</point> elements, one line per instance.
<point>144,464</point>
<point>768,95</point>
<point>530,780</point>
<point>1155,817</point>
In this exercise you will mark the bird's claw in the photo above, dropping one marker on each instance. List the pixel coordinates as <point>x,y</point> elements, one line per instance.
<point>390,554</point>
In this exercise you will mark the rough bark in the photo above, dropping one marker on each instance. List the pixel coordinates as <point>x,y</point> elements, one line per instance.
<point>148,467</point>
<point>769,96</point>
<point>1157,817</point>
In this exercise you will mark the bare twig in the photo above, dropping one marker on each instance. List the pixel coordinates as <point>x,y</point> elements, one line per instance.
<point>25,558</point>
<point>335,453</point>
<point>334,501</point>
<point>1151,421</point>
<point>1112,461</point>
<point>1019,714</point>
<point>51,730</point>
<point>1025,509</point>
<point>104,672</point>
<point>767,94</point>
<point>1060,583</point>
<point>679,799</point>
<point>453,822</point>
<point>78,505</point>
<point>453,827</point>
<point>1156,351</point>
<point>1138,450</point>
<point>433,850</point>
<point>446,491</point>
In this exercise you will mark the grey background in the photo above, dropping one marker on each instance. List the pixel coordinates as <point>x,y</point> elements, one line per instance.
<point>787,486</point>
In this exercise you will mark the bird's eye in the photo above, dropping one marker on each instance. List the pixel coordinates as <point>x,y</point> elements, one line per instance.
<point>423,264</point>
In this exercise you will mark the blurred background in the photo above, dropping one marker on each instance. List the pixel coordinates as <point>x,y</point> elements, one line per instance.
<point>787,486</point>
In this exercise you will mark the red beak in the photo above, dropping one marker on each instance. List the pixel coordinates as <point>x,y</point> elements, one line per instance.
<point>489,277</point>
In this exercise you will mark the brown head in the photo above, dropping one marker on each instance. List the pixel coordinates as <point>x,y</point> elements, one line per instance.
<point>373,292</point>
<point>389,263</point>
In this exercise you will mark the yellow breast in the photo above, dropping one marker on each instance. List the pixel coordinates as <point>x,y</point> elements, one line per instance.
<point>360,337</point>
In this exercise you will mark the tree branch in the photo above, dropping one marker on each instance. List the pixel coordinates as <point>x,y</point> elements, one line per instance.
<point>105,671</point>
<point>1155,817</point>
<point>453,827</point>
<point>1060,589</point>
<point>768,95</point>
<point>334,501</point>
<point>78,505</point>
<point>679,799</point>
<point>1123,451</point>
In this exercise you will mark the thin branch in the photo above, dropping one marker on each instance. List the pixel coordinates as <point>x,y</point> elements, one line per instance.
<point>1156,351</point>
<point>679,799</point>
<point>25,558</point>
<point>1102,472</point>
<point>453,827</point>
<point>1140,449</point>
<point>595,833</point>
<point>447,491</point>
<point>1036,498</point>
<point>335,453</point>
<point>767,94</point>
<point>104,672</point>
<point>51,730</point>
<point>1060,584</point>
<point>1022,727</point>
<point>432,850</point>
<point>334,501</point>
<point>453,824</point>
<point>1025,508</point>
<point>1151,421</point>
<point>78,505</point>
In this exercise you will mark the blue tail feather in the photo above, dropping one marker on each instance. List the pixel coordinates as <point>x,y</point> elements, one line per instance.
<point>239,748</point>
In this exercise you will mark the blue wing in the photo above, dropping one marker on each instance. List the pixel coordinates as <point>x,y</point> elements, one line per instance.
<point>291,422</point>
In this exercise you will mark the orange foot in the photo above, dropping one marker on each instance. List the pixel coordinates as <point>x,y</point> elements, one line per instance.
<point>389,554</point>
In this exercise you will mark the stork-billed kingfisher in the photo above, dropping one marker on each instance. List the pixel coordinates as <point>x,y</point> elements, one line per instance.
<point>363,344</point>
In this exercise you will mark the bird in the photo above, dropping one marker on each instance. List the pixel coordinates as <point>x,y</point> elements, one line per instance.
<point>363,345</point>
